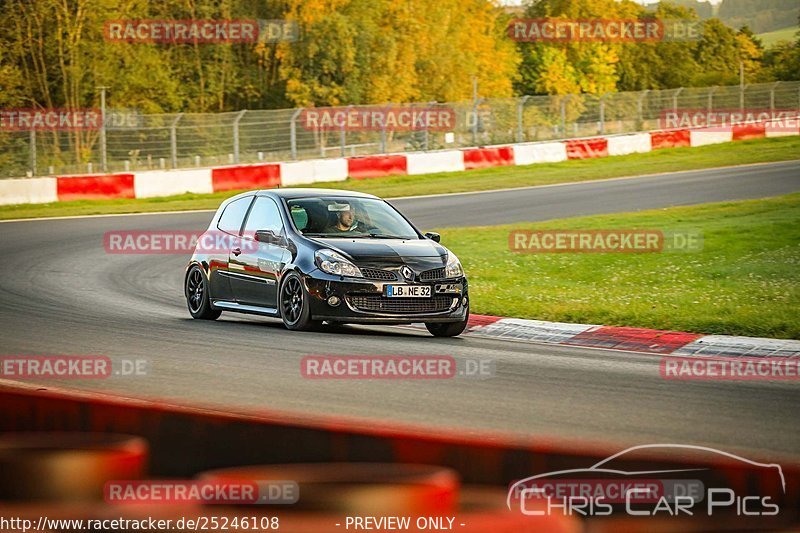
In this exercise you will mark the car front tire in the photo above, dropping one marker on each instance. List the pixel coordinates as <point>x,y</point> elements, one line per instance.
<point>197,297</point>
<point>293,304</point>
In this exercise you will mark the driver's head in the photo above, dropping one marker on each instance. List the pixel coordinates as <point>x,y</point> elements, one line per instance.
<point>346,216</point>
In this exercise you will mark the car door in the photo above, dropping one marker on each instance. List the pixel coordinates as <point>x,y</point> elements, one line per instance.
<point>256,270</point>
<point>222,243</point>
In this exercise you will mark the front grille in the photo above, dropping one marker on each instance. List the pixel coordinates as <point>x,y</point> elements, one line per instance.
<point>401,305</point>
<point>375,273</point>
<point>431,275</point>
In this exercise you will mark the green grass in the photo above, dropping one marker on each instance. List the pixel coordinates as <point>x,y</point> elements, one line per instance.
<point>772,37</point>
<point>745,281</point>
<point>668,160</point>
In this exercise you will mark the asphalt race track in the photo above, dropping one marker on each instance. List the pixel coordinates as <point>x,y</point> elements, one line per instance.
<point>62,294</point>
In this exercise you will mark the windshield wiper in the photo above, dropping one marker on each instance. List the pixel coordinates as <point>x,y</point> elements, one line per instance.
<point>386,236</point>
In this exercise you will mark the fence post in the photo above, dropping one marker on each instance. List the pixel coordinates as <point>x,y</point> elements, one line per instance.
<point>33,151</point>
<point>711,99</point>
<point>675,100</point>
<point>343,135</point>
<point>640,108</point>
<point>772,97</point>
<point>742,89</point>
<point>103,148</point>
<point>602,114</point>
<point>236,135</point>
<point>293,132</point>
<point>564,115</point>
<point>520,126</point>
<point>173,140</point>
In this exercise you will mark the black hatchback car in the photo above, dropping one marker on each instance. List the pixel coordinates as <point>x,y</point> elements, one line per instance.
<point>314,255</point>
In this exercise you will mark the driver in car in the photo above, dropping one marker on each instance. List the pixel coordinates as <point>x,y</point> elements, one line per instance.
<point>345,218</point>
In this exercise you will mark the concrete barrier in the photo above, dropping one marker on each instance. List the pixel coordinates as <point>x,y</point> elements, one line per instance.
<point>497,156</point>
<point>708,136</point>
<point>95,187</point>
<point>670,139</point>
<point>157,183</point>
<point>28,191</point>
<point>587,148</point>
<point>375,166</point>
<point>262,176</point>
<point>532,153</point>
<point>432,162</point>
<point>304,172</point>
<point>636,143</point>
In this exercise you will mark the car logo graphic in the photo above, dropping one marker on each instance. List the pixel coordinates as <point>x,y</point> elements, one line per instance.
<point>406,272</point>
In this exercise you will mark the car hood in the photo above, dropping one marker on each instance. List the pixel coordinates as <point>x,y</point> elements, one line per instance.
<point>421,253</point>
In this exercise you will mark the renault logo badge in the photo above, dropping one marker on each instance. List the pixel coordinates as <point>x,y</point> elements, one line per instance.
<point>407,273</point>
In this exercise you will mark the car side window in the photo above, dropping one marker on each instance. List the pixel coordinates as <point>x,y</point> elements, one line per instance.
<point>233,216</point>
<point>264,215</point>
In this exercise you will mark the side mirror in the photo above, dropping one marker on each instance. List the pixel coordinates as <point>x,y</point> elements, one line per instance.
<point>268,236</point>
<point>432,235</point>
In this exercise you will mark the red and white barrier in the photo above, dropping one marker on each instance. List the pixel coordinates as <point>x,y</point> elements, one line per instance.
<point>149,184</point>
<point>630,339</point>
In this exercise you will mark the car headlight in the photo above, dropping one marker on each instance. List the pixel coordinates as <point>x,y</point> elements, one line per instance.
<point>453,268</point>
<point>335,263</point>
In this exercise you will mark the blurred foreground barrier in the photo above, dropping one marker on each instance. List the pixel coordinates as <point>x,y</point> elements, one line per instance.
<point>187,441</point>
<point>67,466</point>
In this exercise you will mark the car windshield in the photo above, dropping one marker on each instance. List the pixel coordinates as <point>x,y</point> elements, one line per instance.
<point>350,217</point>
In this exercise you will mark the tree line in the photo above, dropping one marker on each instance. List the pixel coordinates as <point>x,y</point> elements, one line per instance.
<point>54,53</point>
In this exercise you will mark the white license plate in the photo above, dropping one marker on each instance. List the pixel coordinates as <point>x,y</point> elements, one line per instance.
<point>408,291</point>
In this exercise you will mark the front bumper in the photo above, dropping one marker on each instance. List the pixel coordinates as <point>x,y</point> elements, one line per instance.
<point>362,301</point>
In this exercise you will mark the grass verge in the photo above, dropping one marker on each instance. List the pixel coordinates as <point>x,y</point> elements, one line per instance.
<point>667,160</point>
<point>745,281</point>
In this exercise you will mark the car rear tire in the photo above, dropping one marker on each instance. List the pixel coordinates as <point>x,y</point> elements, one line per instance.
<point>197,298</point>
<point>448,329</point>
<point>294,306</point>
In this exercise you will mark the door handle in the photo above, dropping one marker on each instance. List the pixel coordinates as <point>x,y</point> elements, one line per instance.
<point>236,251</point>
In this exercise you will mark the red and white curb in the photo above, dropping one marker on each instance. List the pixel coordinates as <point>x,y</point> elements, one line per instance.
<point>629,339</point>
<point>159,183</point>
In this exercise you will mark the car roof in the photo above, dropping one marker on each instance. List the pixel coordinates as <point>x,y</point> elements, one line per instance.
<point>312,193</point>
